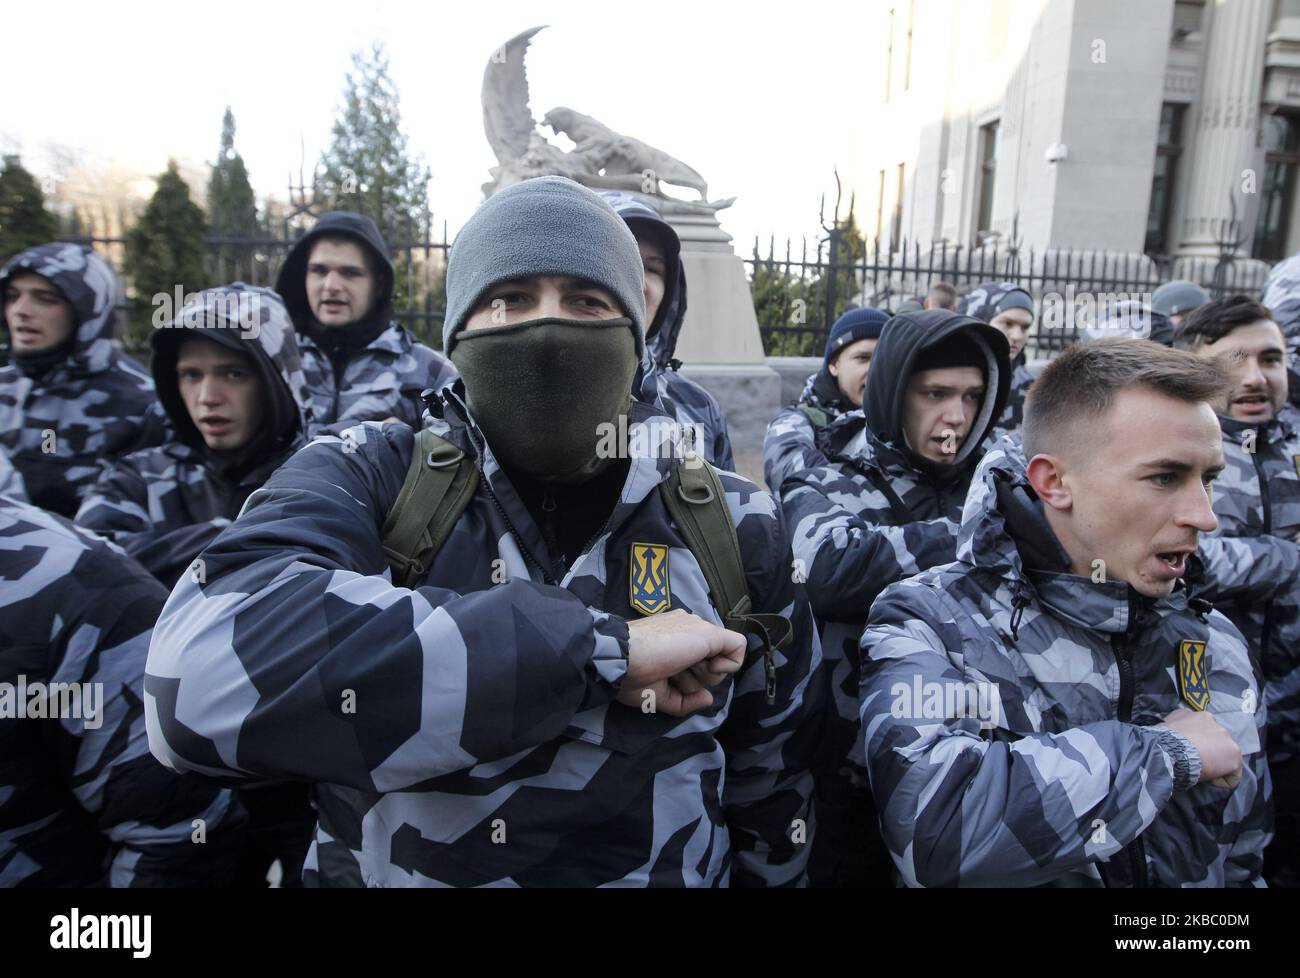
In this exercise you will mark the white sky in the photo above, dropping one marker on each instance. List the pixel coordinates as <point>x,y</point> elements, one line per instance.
<point>754,95</point>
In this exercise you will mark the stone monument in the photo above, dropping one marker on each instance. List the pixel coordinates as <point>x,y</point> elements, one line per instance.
<point>720,343</point>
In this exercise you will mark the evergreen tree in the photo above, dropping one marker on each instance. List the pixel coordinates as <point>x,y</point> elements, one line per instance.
<point>232,208</point>
<point>367,166</point>
<point>165,251</point>
<point>24,221</point>
<point>231,205</point>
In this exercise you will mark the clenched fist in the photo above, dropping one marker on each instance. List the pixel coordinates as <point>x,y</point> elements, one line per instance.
<point>677,656</point>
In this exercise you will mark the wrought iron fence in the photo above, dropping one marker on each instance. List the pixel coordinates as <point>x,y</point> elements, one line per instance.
<point>800,293</point>
<point>419,262</point>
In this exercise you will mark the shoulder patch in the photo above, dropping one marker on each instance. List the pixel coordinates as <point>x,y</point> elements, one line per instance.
<point>1193,682</point>
<point>648,586</point>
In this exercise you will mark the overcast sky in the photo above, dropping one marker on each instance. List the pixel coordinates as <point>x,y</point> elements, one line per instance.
<point>753,95</point>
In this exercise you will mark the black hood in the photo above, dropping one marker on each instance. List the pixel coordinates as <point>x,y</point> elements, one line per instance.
<point>291,283</point>
<point>274,355</point>
<point>661,335</point>
<point>904,339</point>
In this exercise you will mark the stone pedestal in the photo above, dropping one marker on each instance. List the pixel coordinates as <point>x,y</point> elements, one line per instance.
<point>720,344</point>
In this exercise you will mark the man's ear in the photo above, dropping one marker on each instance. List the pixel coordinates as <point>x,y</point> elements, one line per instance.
<point>833,368</point>
<point>1047,475</point>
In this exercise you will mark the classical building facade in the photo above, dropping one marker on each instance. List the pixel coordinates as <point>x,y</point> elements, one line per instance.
<point>1164,127</point>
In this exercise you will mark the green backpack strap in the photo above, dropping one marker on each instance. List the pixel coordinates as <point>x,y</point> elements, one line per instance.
<point>817,416</point>
<point>696,501</point>
<point>439,484</point>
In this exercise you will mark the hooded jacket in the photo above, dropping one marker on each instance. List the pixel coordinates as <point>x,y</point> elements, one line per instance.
<point>92,405</point>
<point>369,370</point>
<point>981,303</point>
<point>1257,501</point>
<point>417,712</point>
<point>82,801</point>
<point>877,512</point>
<point>1282,297</point>
<point>1010,718</point>
<point>163,505</point>
<point>686,400</point>
<point>794,440</point>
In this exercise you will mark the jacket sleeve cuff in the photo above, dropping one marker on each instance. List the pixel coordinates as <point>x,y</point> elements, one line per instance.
<point>609,658</point>
<point>1184,755</point>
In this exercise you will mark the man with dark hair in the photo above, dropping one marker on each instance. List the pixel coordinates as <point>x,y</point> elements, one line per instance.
<point>337,282</point>
<point>793,440</point>
<point>1257,502</point>
<point>942,295</point>
<point>1009,309</point>
<point>1053,708</point>
<point>68,399</point>
<point>883,507</point>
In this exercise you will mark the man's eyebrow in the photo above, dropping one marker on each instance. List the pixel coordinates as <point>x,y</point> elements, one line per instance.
<point>1176,465</point>
<point>342,265</point>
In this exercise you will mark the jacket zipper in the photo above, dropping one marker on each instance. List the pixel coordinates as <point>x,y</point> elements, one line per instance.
<point>1119,644</point>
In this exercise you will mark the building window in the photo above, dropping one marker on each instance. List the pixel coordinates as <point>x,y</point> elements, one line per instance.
<point>896,222</point>
<point>1187,17</point>
<point>988,146</point>
<point>889,53</point>
<point>1169,145</point>
<point>1277,193</point>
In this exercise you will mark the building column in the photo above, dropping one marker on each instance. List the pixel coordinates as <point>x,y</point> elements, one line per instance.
<point>1226,118</point>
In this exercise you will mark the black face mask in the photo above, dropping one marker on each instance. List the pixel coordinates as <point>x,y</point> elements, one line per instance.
<point>543,391</point>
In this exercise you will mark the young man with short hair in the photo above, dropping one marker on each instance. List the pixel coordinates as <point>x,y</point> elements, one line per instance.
<point>942,295</point>
<point>1053,708</point>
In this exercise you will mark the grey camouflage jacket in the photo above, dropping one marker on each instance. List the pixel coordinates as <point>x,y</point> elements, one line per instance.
<point>465,732</point>
<point>858,523</point>
<point>164,505</point>
<point>383,380</point>
<point>793,441</point>
<point>1282,297</point>
<point>82,801</point>
<point>91,407</point>
<point>1010,719</point>
<point>1257,585</point>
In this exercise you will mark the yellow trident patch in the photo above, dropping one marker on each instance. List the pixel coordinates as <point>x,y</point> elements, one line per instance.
<point>1193,682</point>
<point>648,578</point>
